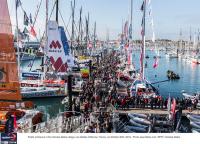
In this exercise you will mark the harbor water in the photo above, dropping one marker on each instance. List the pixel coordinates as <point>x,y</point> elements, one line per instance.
<point>51,106</point>
<point>189,74</point>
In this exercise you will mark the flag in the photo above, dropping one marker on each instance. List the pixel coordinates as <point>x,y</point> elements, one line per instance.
<point>30,18</point>
<point>169,104</point>
<point>18,3</point>
<point>30,64</point>
<point>32,31</point>
<point>142,32</point>
<point>130,31</point>
<point>129,58</point>
<point>150,12</point>
<point>155,63</point>
<point>142,7</point>
<point>173,108</point>
<point>25,31</point>
<point>89,45</point>
<point>126,29</point>
<point>142,22</point>
<point>26,19</point>
<point>15,122</point>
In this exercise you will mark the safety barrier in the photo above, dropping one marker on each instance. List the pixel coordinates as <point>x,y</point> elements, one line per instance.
<point>60,124</point>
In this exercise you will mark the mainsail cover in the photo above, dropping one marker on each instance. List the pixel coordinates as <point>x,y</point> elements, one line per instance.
<point>68,55</point>
<point>55,50</point>
<point>9,82</point>
<point>57,47</point>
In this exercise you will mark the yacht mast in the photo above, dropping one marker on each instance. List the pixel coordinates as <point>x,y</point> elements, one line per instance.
<point>57,5</point>
<point>131,23</point>
<point>143,41</point>
<point>46,39</point>
<point>80,30</point>
<point>198,41</point>
<point>72,37</point>
<point>190,38</point>
<point>94,35</point>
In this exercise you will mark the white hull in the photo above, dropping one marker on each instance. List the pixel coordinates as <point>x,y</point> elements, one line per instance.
<point>195,130</point>
<point>137,124</point>
<point>139,115</point>
<point>186,95</point>
<point>194,125</point>
<point>136,129</point>
<point>171,56</point>
<point>41,93</point>
<point>139,120</point>
<point>194,119</point>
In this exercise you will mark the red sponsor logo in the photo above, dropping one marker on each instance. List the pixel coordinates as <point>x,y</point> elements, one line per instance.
<point>59,65</point>
<point>55,44</point>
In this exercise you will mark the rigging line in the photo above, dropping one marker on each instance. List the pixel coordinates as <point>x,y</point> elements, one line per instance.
<point>69,21</point>
<point>33,26</point>
<point>52,9</point>
<point>76,28</point>
<point>48,19</point>
<point>37,11</point>
<point>64,22</point>
<point>44,31</point>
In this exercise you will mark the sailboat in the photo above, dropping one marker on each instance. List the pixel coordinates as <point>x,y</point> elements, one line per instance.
<point>196,57</point>
<point>57,62</point>
<point>140,86</point>
<point>11,104</point>
<point>56,55</point>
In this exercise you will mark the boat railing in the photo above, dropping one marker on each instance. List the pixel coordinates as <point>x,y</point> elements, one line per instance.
<point>60,124</point>
<point>64,124</point>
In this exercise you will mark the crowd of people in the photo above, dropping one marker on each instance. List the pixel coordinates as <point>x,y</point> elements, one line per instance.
<point>100,92</point>
<point>95,99</point>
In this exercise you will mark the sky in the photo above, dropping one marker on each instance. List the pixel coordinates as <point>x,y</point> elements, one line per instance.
<point>170,16</point>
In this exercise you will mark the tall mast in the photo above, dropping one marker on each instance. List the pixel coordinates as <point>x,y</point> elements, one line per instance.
<point>80,28</point>
<point>94,35</point>
<point>46,38</point>
<point>88,26</point>
<point>122,35</point>
<point>57,5</point>
<point>198,41</point>
<point>72,37</point>
<point>131,22</point>
<point>143,42</point>
<point>18,52</point>
<point>181,43</point>
<point>87,30</point>
<point>107,36</point>
<point>190,38</point>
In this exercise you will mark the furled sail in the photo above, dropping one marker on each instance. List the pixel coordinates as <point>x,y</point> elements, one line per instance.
<point>57,47</point>
<point>9,82</point>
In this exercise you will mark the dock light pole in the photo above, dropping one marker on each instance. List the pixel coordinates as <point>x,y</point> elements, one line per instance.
<point>90,69</point>
<point>98,60</point>
<point>69,88</point>
<point>68,80</point>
